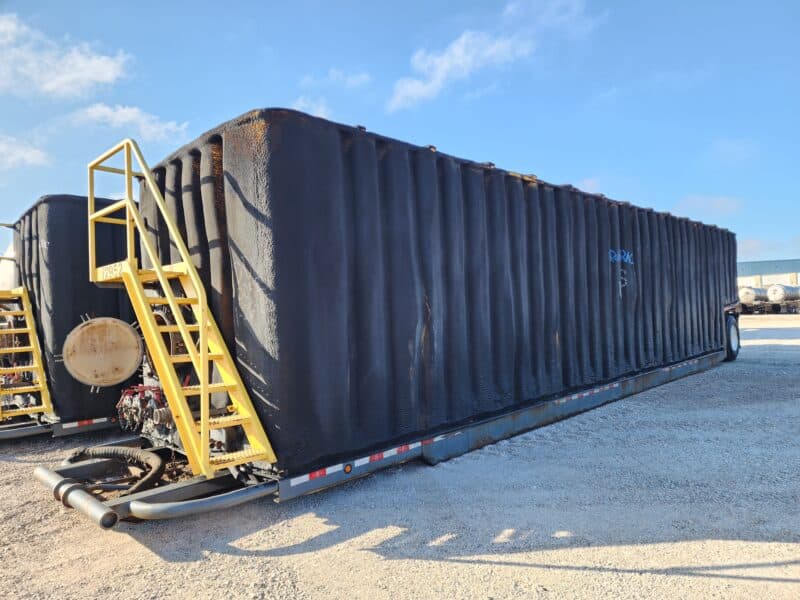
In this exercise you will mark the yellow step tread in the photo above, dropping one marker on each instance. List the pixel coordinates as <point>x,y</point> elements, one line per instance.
<point>232,459</point>
<point>14,331</point>
<point>175,329</point>
<point>171,271</point>
<point>12,313</point>
<point>19,369</point>
<point>18,412</point>
<point>185,358</point>
<point>213,388</point>
<point>225,421</point>
<point>162,300</point>
<point>29,389</point>
<point>16,349</point>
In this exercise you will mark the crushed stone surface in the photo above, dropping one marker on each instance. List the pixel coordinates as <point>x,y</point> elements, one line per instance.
<point>688,490</point>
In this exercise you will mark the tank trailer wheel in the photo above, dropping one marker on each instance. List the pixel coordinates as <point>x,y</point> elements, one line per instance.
<point>731,337</point>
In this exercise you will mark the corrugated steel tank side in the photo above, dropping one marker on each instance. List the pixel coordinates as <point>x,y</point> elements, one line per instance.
<point>374,290</point>
<point>51,247</point>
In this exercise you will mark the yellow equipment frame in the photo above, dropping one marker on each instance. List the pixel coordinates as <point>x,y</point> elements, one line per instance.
<point>207,347</point>
<point>20,296</point>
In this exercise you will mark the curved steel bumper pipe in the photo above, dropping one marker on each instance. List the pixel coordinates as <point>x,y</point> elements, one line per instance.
<point>72,494</point>
<point>173,510</point>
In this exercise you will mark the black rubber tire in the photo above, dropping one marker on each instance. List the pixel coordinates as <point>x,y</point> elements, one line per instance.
<point>732,342</point>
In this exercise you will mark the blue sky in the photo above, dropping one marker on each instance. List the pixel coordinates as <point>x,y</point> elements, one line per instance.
<point>688,107</point>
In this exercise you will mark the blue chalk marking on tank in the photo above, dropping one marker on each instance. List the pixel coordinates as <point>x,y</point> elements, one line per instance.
<point>620,256</point>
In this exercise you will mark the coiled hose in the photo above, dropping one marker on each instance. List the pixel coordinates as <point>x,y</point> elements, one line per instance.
<point>140,457</point>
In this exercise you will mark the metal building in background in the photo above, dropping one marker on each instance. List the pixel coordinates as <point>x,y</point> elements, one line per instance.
<point>767,267</point>
<point>769,285</point>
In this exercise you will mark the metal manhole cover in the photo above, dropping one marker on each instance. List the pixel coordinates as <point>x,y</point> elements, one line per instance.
<point>102,352</point>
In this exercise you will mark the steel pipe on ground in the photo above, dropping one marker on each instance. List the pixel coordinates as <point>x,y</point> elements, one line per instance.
<point>73,494</point>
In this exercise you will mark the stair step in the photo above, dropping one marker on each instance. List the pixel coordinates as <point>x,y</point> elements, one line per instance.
<point>28,389</point>
<point>171,271</point>
<point>18,412</point>
<point>225,421</point>
<point>151,288</point>
<point>20,369</point>
<point>162,300</point>
<point>185,358</point>
<point>12,313</point>
<point>231,459</point>
<point>16,349</point>
<point>213,388</point>
<point>176,329</point>
<point>14,331</point>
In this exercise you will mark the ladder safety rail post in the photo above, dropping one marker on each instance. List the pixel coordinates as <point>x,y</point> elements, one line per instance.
<point>202,339</point>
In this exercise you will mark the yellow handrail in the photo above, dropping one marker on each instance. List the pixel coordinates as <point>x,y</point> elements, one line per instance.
<point>209,345</point>
<point>133,222</point>
<point>20,295</point>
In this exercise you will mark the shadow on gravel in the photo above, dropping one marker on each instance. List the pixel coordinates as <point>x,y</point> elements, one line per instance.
<point>708,571</point>
<point>698,459</point>
<point>21,450</point>
<point>407,537</point>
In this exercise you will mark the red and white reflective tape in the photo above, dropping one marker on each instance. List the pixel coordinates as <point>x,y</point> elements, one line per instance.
<point>372,458</point>
<point>84,423</point>
<point>681,365</point>
<point>587,393</point>
<point>379,456</point>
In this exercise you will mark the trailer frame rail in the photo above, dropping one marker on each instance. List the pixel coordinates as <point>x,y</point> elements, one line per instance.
<point>201,494</point>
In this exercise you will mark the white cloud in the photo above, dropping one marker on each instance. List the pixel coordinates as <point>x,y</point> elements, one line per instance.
<point>144,125</point>
<point>31,63</point>
<point>338,77</point>
<point>315,106</point>
<point>732,151</point>
<point>590,184</point>
<point>17,153</point>
<point>471,51</point>
<point>700,207</point>
<point>665,81</point>
<point>525,24</point>
<point>356,79</point>
<point>569,17</point>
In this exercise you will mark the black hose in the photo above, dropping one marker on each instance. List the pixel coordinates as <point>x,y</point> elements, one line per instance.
<point>143,458</point>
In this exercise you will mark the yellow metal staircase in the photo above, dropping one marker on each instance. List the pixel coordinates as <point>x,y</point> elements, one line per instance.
<point>179,287</point>
<point>17,305</point>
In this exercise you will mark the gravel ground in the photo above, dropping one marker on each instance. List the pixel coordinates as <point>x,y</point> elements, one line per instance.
<point>687,490</point>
